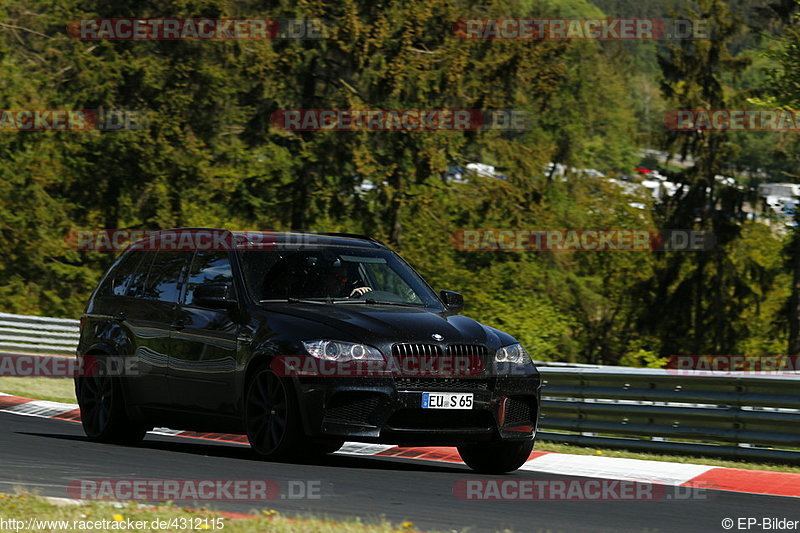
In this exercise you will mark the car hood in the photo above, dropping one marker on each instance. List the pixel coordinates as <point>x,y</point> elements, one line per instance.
<point>383,324</point>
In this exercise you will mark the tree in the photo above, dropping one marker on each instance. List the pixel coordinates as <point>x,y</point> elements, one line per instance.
<point>787,93</point>
<point>699,293</point>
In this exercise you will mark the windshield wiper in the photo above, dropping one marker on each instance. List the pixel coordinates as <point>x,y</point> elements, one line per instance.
<point>294,301</point>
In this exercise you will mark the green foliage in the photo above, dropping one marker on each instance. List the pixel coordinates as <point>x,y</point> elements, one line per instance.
<point>208,155</point>
<point>786,92</point>
<point>644,359</point>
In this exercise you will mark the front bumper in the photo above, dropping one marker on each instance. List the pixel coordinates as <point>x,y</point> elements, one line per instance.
<point>388,410</point>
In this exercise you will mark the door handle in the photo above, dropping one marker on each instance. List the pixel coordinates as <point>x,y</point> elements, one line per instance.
<point>120,317</point>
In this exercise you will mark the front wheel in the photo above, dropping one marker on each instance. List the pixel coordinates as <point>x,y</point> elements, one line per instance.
<point>272,418</point>
<point>497,457</point>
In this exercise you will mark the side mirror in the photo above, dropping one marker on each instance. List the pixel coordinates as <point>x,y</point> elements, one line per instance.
<point>453,300</point>
<point>215,295</point>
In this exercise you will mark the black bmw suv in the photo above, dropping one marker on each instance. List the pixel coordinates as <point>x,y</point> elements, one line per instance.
<point>300,341</point>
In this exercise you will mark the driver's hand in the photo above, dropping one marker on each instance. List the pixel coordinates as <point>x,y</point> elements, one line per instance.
<point>360,291</point>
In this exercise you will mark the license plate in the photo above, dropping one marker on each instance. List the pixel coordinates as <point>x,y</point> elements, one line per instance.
<point>447,400</point>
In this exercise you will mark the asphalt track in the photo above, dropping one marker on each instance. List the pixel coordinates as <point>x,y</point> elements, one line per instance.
<point>46,454</point>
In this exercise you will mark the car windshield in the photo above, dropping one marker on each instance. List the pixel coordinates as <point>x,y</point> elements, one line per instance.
<point>335,274</point>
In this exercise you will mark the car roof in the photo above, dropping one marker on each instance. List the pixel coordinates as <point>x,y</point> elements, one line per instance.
<point>263,239</point>
<point>308,238</point>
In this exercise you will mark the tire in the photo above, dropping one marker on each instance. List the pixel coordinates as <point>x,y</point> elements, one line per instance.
<point>272,418</point>
<point>103,414</point>
<point>499,457</point>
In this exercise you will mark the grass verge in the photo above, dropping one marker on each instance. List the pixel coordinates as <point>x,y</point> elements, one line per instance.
<point>25,506</point>
<point>52,389</point>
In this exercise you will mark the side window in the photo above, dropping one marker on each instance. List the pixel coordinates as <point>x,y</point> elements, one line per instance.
<point>266,274</point>
<point>118,280</point>
<point>138,277</point>
<point>163,281</point>
<point>208,266</point>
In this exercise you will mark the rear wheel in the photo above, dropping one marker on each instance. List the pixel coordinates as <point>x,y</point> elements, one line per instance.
<point>102,404</point>
<point>497,457</point>
<point>272,418</point>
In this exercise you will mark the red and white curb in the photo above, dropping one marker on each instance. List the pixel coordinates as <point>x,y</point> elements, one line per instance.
<point>615,468</point>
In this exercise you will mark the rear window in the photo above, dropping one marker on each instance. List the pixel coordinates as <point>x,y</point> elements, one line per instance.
<point>137,279</point>
<point>121,277</point>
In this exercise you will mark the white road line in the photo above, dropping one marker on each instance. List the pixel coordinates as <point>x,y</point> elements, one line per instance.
<point>615,468</point>
<point>360,448</point>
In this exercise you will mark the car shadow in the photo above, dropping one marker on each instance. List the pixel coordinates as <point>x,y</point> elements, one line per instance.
<point>194,446</point>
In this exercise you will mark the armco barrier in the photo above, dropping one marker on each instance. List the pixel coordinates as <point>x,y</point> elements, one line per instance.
<point>38,335</point>
<point>653,409</point>
<point>603,406</point>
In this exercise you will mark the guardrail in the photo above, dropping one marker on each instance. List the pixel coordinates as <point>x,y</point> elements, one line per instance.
<point>657,410</point>
<point>593,405</point>
<point>38,334</point>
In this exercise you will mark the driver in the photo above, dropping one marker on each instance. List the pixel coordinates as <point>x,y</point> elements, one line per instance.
<point>338,284</point>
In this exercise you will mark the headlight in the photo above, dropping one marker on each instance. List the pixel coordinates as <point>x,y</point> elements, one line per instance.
<point>514,353</point>
<point>341,351</point>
